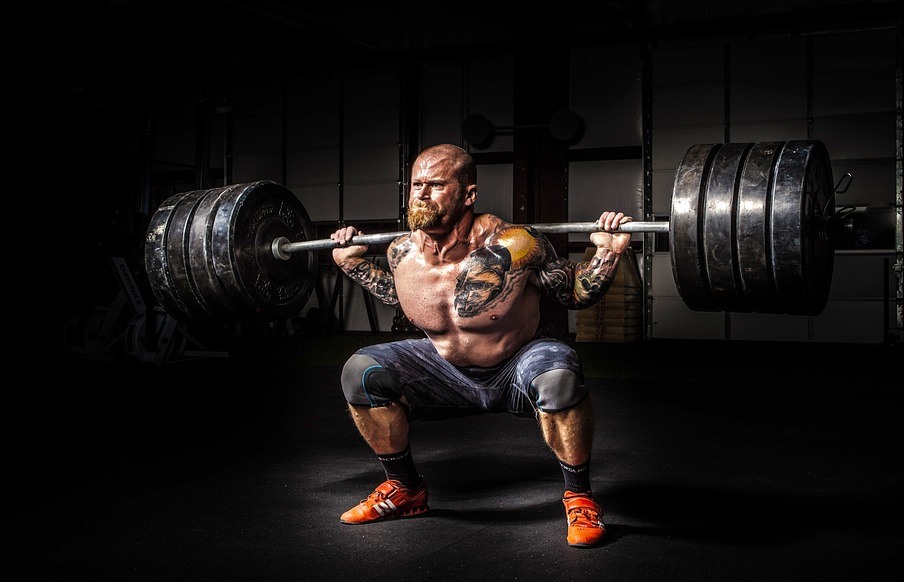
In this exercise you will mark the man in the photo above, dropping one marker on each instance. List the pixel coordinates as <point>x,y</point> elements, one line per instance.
<point>472,283</point>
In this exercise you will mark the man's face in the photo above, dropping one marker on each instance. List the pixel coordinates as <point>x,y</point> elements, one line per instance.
<point>436,198</point>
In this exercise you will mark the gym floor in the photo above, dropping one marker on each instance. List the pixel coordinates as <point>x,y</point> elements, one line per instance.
<point>714,461</point>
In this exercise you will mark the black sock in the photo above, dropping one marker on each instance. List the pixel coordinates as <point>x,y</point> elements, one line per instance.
<point>400,466</point>
<point>577,477</point>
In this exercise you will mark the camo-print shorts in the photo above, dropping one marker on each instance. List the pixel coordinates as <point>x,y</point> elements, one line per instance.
<point>433,388</point>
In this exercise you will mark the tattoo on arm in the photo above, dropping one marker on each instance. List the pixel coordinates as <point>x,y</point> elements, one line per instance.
<point>578,285</point>
<point>377,281</point>
<point>380,283</point>
<point>594,277</point>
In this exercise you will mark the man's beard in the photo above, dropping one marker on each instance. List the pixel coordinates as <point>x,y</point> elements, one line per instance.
<point>424,215</point>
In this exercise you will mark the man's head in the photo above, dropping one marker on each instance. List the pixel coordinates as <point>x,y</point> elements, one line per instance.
<point>443,187</point>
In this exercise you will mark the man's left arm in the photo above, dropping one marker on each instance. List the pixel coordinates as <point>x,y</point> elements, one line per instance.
<point>581,285</point>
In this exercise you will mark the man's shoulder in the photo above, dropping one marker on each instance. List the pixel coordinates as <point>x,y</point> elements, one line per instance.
<point>399,248</point>
<point>522,242</point>
<point>489,223</point>
<point>400,241</point>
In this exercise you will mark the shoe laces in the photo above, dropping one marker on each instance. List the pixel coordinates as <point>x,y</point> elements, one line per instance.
<point>376,495</point>
<point>584,516</point>
<point>379,494</point>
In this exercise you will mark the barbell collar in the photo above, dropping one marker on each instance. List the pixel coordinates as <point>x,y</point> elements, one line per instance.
<point>282,247</point>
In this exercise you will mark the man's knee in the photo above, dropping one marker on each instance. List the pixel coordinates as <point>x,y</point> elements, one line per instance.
<point>558,390</point>
<point>367,383</point>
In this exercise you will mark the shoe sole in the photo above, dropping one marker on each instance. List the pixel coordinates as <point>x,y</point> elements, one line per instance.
<point>593,545</point>
<point>598,541</point>
<point>401,515</point>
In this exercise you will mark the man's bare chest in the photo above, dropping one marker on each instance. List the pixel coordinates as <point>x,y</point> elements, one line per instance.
<point>466,289</point>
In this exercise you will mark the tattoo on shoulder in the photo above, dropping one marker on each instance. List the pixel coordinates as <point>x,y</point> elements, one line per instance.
<point>484,277</point>
<point>525,245</point>
<point>397,250</point>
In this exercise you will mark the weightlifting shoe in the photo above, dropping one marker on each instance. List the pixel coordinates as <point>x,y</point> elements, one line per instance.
<point>585,520</point>
<point>390,500</point>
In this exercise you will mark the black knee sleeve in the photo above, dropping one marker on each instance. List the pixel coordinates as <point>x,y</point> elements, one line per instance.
<point>558,390</point>
<point>366,383</point>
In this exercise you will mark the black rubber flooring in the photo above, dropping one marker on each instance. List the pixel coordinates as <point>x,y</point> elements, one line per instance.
<point>713,461</point>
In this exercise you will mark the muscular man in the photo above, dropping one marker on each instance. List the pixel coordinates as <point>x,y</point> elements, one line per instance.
<point>472,282</point>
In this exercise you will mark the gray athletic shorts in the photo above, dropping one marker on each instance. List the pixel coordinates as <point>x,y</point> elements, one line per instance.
<point>433,388</point>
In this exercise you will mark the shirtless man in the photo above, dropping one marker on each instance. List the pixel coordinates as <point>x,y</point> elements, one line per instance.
<point>472,282</point>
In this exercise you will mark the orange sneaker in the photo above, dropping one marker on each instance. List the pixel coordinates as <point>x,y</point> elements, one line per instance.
<point>390,500</point>
<point>585,520</point>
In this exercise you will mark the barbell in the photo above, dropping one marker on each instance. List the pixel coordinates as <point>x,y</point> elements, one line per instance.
<point>749,231</point>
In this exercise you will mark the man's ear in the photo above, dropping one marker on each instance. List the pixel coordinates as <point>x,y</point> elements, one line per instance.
<point>471,195</point>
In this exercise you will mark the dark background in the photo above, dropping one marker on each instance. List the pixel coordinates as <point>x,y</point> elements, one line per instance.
<point>717,460</point>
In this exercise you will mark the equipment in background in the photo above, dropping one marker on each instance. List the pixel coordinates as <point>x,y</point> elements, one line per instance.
<point>128,328</point>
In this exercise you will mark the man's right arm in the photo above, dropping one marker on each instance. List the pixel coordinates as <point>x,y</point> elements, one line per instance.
<point>350,258</point>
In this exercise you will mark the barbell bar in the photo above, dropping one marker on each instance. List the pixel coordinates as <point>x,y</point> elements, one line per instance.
<point>283,247</point>
<point>749,231</point>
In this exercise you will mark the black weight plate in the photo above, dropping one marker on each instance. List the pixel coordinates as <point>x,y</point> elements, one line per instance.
<point>685,234</point>
<point>753,224</point>
<point>719,226</point>
<point>208,288</point>
<point>178,252</point>
<point>155,259</point>
<point>802,206</point>
<point>166,225</point>
<point>247,221</point>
